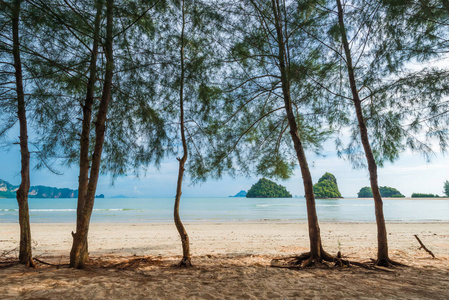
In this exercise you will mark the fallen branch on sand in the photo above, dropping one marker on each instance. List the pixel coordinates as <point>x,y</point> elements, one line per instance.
<point>50,264</point>
<point>133,263</point>
<point>424,247</point>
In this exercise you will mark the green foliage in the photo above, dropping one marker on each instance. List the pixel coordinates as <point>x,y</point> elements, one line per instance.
<point>365,192</point>
<point>421,195</point>
<point>265,188</point>
<point>446,188</point>
<point>326,187</point>
<point>385,191</point>
<point>251,131</point>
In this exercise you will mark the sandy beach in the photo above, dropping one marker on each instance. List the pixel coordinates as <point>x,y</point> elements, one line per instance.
<point>231,261</point>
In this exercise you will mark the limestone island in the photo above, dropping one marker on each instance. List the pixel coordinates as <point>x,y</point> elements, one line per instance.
<point>242,193</point>
<point>8,190</point>
<point>385,191</point>
<point>327,187</point>
<point>265,188</point>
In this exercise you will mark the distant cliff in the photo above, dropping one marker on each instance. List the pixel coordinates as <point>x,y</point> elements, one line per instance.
<point>8,190</point>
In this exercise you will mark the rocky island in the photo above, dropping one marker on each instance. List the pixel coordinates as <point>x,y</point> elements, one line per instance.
<point>385,191</point>
<point>242,193</point>
<point>8,190</point>
<point>265,188</point>
<point>326,187</point>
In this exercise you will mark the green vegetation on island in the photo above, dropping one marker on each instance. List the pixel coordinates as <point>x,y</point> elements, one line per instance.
<point>446,188</point>
<point>265,188</point>
<point>385,191</point>
<point>326,187</point>
<point>421,195</point>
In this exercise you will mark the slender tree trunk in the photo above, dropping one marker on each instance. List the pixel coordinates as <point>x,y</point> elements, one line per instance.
<point>382,244</point>
<point>186,260</point>
<point>79,253</point>
<point>316,251</point>
<point>25,255</point>
<point>83,179</point>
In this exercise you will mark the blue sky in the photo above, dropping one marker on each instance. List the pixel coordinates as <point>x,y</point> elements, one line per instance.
<point>411,173</point>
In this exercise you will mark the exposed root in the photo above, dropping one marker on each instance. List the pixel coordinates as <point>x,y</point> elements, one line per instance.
<point>387,263</point>
<point>305,260</point>
<point>185,263</point>
<point>31,264</point>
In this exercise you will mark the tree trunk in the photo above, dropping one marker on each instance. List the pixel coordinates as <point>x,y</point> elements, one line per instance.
<point>186,260</point>
<point>25,254</point>
<point>382,244</point>
<point>314,229</point>
<point>79,254</point>
<point>83,179</point>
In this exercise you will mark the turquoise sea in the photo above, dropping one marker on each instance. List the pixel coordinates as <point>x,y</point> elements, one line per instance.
<point>134,210</point>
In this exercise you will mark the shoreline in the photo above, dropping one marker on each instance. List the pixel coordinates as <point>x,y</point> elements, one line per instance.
<point>231,261</point>
<point>243,221</point>
<point>225,197</point>
<point>254,238</point>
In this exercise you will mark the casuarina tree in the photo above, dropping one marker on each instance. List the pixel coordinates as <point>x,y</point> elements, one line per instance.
<point>25,255</point>
<point>271,116</point>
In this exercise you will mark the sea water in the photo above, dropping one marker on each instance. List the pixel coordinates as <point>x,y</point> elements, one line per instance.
<point>230,209</point>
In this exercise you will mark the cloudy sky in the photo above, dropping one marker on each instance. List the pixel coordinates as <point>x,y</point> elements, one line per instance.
<point>411,173</point>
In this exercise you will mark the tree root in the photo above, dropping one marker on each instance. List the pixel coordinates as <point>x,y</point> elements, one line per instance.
<point>185,263</point>
<point>31,263</point>
<point>305,260</point>
<point>387,263</point>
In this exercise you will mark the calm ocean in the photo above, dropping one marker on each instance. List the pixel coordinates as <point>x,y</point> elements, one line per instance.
<point>130,210</point>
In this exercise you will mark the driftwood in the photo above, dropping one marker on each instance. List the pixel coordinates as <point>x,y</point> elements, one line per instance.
<point>424,247</point>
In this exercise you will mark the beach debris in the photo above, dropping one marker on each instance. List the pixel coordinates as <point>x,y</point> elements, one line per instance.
<point>6,259</point>
<point>424,247</point>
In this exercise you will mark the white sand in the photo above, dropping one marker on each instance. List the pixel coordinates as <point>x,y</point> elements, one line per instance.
<point>231,261</point>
